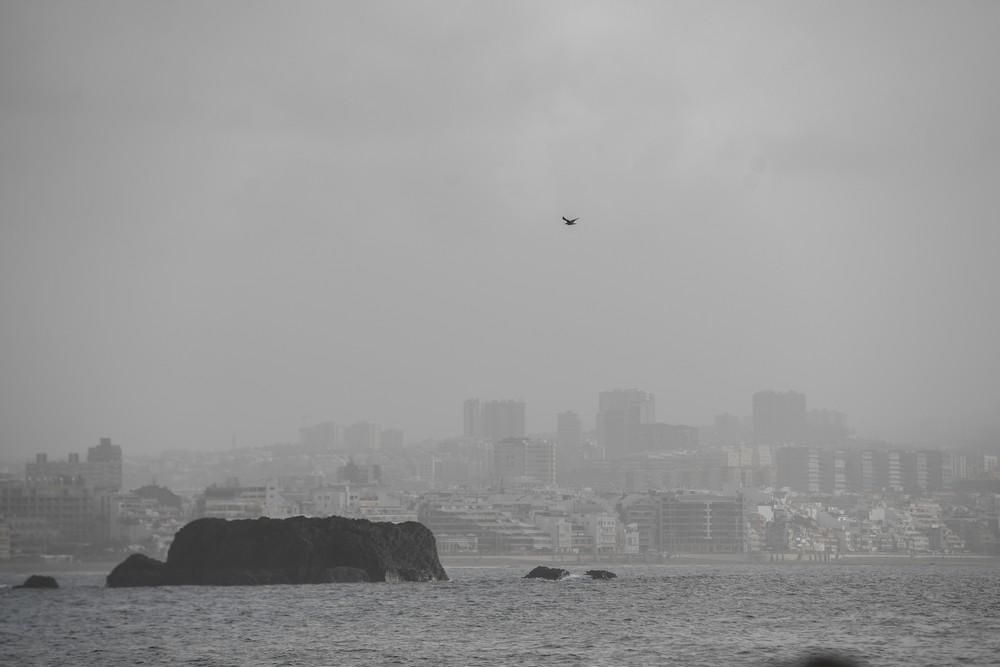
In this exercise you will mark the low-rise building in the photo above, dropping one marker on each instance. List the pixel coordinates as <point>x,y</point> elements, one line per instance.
<point>68,507</point>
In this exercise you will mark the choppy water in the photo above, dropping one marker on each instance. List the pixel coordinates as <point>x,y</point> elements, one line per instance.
<point>763,614</point>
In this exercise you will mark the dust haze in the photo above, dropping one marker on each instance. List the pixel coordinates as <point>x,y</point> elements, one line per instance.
<point>221,222</point>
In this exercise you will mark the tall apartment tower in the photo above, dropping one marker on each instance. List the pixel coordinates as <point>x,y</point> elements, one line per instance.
<point>799,468</point>
<point>779,418</point>
<point>826,427</point>
<point>569,431</point>
<point>472,418</point>
<point>518,461</point>
<point>105,464</point>
<point>391,440</point>
<point>321,437</point>
<point>620,413</point>
<point>362,437</point>
<point>569,447</point>
<point>493,420</point>
<point>701,523</point>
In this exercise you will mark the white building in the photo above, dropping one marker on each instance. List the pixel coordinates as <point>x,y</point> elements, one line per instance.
<point>559,528</point>
<point>332,500</point>
<point>602,528</point>
<point>630,539</point>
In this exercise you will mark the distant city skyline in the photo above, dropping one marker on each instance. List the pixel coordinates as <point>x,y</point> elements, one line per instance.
<point>510,418</point>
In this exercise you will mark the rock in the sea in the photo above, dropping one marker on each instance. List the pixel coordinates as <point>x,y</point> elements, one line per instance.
<point>39,581</point>
<point>138,570</point>
<point>299,550</point>
<point>542,572</point>
<point>600,574</point>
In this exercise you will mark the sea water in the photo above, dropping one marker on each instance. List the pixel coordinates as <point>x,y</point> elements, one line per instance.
<point>752,614</point>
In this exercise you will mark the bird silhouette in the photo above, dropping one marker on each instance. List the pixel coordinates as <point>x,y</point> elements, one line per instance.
<point>568,221</point>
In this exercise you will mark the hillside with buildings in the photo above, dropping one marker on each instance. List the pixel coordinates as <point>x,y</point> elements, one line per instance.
<point>786,482</point>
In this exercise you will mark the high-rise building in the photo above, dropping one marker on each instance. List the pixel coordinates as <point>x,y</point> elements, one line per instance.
<point>798,469</point>
<point>727,430</point>
<point>569,431</point>
<point>540,462</point>
<point>940,470</point>
<point>472,418</point>
<point>321,437</point>
<point>392,440</point>
<point>620,413</point>
<point>509,462</point>
<point>894,470</point>
<point>701,523</point>
<point>570,449</point>
<point>105,461</point>
<point>102,469</point>
<point>362,437</point>
<point>4,539</point>
<point>925,471</point>
<point>659,437</point>
<point>826,427</point>
<point>833,469</point>
<point>877,469</point>
<point>493,420</point>
<point>866,470</point>
<point>503,419</point>
<point>779,418</point>
<point>520,461</point>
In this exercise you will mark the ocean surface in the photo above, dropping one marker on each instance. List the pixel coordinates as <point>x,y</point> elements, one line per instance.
<point>729,614</point>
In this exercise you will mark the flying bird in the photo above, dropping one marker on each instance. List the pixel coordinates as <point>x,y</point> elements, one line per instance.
<point>568,221</point>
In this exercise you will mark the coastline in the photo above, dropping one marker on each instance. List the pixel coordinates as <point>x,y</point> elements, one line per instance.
<point>55,567</point>
<point>19,567</point>
<point>756,558</point>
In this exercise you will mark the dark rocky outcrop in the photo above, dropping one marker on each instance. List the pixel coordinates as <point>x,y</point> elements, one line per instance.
<point>348,575</point>
<point>39,581</point>
<point>600,574</point>
<point>299,550</point>
<point>138,570</point>
<point>542,572</point>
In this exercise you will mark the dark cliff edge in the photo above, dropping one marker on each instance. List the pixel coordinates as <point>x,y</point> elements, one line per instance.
<point>299,550</point>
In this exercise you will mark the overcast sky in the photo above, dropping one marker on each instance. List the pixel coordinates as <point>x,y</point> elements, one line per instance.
<point>229,219</point>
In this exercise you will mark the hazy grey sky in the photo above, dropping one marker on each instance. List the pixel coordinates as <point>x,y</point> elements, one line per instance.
<point>229,218</point>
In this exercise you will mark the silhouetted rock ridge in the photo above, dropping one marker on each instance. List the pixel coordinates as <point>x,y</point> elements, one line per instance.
<point>299,550</point>
<point>39,581</point>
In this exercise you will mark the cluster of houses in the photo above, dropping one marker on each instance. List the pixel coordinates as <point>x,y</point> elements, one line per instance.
<point>782,502</point>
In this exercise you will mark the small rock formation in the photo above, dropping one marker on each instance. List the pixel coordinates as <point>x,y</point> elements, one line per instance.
<point>39,581</point>
<point>600,574</point>
<point>542,572</point>
<point>299,550</point>
<point>138,570</point>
